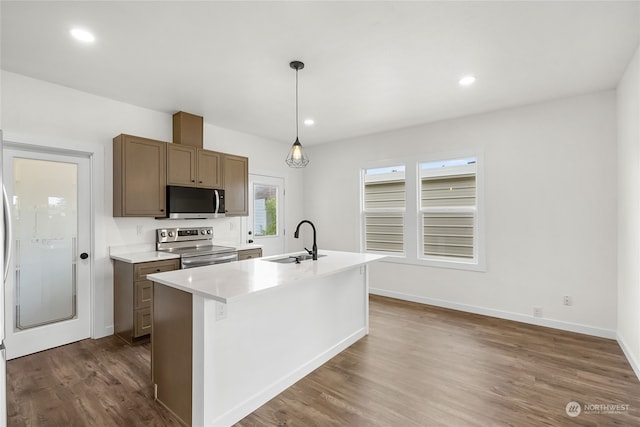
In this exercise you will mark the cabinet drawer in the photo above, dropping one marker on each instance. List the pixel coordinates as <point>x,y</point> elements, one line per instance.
<point>144,294</point>
<point>142,322</point>
<point>249,253</point>
<point>141,270</point>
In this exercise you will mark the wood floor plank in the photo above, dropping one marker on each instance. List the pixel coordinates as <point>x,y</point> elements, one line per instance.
<point>101,382</point>
<point>428,366</point>
<point>419,366</point>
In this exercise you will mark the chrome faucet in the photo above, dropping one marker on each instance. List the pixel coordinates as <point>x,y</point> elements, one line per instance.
<point>314,249</point>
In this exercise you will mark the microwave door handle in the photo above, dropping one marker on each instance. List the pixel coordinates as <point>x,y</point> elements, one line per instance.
<point>217,208</point>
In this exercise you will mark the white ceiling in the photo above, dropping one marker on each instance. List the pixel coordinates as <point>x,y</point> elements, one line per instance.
<point>370,66</point>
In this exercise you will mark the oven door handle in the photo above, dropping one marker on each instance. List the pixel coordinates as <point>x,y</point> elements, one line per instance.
<point>214,259</point>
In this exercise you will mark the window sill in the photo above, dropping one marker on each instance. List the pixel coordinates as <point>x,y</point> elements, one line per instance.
<point>453,265</point>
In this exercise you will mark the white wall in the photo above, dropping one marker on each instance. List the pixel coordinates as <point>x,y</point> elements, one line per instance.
<point>37,112</point>
<point>550,182</point>
<point>629,212</point>
<point>550,197</point>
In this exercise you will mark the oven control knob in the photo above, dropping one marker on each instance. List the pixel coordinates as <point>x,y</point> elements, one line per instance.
<point>171,234</point>
<point>163,234</point>
<point>208,231</point>
<point>202,232</point>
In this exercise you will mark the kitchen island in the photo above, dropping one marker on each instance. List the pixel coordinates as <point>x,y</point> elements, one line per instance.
<point>228,338</point>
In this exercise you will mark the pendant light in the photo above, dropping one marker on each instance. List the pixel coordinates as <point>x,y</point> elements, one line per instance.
<point>297,158</point>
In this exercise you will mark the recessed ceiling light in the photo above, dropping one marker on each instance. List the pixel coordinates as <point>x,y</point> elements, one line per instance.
<point>309,122</point>
<point>82,35</point>
<point>466,81</point>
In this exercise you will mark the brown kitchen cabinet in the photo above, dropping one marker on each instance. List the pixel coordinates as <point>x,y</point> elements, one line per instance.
<point>236,184</point>
<point>133,297</point>
<point>139,176</point>
<point>193,167</point>
<point>249,253</point>
<point>188,129</point>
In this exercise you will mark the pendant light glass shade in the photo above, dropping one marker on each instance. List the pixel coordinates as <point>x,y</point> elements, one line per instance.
<point>297,157</point>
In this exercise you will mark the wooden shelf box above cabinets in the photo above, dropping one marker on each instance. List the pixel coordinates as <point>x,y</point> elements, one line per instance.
<point>193,167</point>
<point>139,176</point>
<point>188,129</point>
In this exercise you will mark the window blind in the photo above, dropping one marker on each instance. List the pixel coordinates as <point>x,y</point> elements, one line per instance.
<point>448,215</point>
<point>384,203</point>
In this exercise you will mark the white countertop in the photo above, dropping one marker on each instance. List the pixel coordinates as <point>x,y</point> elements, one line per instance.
<point>227,282</point>
<point>144,253</point>
<point>136,257</point>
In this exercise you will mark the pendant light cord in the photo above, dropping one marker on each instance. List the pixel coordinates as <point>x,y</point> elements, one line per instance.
<point>296,103</point>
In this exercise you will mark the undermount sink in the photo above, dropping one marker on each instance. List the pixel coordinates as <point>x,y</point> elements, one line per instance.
<point>293,258</point>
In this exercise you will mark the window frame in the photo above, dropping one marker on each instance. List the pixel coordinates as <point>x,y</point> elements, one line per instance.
<point>461,170</point>
<point>376,211</point>
<point>413,231</point>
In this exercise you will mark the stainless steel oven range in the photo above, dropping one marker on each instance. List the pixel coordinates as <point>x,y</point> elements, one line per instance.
<point>194,245</point>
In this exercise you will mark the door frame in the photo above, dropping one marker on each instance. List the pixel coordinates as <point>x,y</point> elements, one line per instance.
<point>95,154</point>
<point>72,329</point>
<point>246,223</point>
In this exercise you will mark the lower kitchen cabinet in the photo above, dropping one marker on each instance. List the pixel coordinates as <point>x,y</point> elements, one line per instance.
<point>249,253</point>
<point>133,297</point>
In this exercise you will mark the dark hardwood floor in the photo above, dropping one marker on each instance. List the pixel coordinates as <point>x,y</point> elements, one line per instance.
<point>420,366</point>
<point>101,382</point>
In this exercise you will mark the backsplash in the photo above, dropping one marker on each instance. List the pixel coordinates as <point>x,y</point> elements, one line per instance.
<point>141,232</point>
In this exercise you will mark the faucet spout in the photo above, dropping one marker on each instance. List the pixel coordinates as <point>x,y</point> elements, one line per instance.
<point>314,248</point>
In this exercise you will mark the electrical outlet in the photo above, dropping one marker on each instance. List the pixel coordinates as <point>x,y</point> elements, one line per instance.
<point>221,310</point>
<point>139,230</point>
<point>537,311</point>
<point>567,300</point>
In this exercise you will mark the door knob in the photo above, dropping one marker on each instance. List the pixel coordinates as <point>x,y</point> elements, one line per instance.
<point>84,255</point>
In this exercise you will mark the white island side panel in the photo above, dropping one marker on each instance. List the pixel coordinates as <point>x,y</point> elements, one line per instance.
<point>267,343</point>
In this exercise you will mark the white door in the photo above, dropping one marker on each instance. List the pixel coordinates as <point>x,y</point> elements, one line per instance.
<point>266,213</point>
<point>47,293</point>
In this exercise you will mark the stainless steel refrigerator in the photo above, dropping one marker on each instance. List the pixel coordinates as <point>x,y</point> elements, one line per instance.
<point>5,250</point>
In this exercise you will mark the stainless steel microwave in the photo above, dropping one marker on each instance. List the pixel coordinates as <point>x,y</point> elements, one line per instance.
<point>194,203</point>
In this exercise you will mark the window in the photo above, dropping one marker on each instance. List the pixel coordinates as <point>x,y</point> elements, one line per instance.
<point>384,209</point>
<point>448,207</point>
<point>265,205</point>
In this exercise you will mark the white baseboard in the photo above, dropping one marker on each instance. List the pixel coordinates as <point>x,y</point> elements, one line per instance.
<point>629,355</point>
<point>549,323</point>
<point>252,403</point>
<point>107,331</point>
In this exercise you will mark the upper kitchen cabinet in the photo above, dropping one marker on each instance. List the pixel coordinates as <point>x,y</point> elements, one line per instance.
<point>209,168</point>
<point>139,176</point>
<point>193,167</point>
<point>236,184</point>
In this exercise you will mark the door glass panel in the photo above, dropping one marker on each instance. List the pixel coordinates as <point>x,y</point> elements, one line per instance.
<point>265,210</point>
<point>44,202</point>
